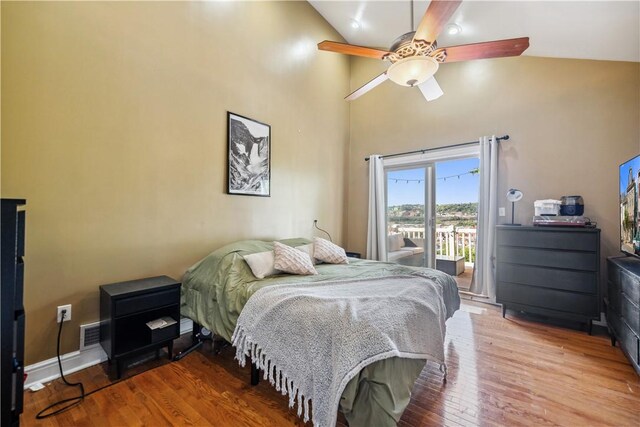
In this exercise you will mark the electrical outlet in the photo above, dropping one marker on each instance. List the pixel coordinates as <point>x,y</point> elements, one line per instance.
<point>501,212</point>
<point>67,315</point>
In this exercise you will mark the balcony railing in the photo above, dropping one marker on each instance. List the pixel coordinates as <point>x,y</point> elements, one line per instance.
<point>450,240</point>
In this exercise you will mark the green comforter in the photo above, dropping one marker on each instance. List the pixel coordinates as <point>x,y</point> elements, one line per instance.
<point>215,290</point>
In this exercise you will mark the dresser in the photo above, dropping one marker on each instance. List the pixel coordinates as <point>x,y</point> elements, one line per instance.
<point>549,271</point>
<point>623,306</point>
<point>12,313</point>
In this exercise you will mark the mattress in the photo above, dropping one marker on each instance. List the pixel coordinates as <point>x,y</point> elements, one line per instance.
<point>215,290</point>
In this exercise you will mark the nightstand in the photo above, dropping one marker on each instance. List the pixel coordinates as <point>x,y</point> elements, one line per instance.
<point>125,309</point>
<point>354,254</point>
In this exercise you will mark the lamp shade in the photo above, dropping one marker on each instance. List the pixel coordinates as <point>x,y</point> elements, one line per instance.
<point>413,70</point>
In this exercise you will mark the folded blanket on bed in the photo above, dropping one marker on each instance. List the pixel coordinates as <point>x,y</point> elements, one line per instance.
<point>312,338</point>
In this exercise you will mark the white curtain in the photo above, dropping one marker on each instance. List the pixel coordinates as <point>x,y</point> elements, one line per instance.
<point>377,227</point>
<point>484,278</point>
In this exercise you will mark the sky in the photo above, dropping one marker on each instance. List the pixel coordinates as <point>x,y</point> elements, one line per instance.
<point>453,190</point>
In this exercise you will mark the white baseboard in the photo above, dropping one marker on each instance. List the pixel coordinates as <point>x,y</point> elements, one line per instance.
<point>186,325</point>
<point>48,370</point>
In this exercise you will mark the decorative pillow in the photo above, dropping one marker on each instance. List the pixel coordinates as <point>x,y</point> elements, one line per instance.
<point>262,264</point>
<point>329,252</point>
<point>395,242</point>
<point>309,250</point>
<point>292,260</point>
<point>408,243</point>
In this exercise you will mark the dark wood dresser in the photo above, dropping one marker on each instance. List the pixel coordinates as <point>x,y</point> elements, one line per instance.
<point>549,271</point>
<point>623,306</point>
<point>12,312</point>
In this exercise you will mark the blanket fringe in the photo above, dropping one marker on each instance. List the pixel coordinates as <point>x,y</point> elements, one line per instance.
<point>245,348</point>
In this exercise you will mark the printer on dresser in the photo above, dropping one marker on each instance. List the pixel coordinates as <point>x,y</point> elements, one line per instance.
<point>623,305</point>
<point>549,271</point>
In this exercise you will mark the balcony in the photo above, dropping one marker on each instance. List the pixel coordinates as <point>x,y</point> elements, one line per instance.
<point>453,245</point>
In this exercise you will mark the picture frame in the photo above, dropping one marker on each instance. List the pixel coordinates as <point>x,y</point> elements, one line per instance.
<point>248,156</point>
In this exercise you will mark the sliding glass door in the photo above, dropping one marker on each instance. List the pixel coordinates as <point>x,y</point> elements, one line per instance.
<point>411,215</point>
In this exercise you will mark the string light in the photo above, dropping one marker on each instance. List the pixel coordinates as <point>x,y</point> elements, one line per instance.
<point>444,178</point>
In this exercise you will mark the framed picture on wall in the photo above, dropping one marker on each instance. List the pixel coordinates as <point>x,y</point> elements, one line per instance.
<point>249,160</point>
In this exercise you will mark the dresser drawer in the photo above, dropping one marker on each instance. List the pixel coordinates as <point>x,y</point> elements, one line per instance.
<point>630,286</point>
<point>568,280</point>
<point>136,304</point>
<point>549,239</point>
<point>630,314</point>
<point>629,341</point>
<point>548,258</point>
<point>551,299</point>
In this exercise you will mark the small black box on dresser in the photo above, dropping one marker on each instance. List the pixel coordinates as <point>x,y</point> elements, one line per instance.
<point>125,310</point>
<point>623,305</point>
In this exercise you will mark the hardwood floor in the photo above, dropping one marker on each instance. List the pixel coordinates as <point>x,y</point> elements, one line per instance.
<point>501,372</point>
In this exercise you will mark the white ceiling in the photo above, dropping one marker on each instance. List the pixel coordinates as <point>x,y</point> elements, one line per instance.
<point>606,30</point>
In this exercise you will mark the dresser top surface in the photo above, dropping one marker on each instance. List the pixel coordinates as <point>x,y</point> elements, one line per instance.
<point>629,263</point>
<point>548,228</point>
<point>139,286</point>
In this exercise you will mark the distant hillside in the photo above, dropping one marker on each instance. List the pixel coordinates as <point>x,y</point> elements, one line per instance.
<point>457,209</point>
<point>458,214</point>
<point>449,209</point>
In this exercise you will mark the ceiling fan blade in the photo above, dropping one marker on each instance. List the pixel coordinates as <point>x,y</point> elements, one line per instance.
<point>494,49</point>
<point>435,18</point>
<point>431,89</point>
<point>351,49</point>
<point>367,87</point>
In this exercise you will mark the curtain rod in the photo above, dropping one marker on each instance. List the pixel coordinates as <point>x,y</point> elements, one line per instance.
<point>424,150</point>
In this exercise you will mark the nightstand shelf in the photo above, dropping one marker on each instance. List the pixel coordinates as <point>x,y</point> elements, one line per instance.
<point>125,309</point>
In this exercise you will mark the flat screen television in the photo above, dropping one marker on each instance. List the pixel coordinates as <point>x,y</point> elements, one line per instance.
<point>629,194</point>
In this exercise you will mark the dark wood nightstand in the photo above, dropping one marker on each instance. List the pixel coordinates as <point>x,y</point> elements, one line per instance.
<point>125,309</point>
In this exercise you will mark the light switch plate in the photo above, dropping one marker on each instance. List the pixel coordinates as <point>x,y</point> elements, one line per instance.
<point>501,212</point>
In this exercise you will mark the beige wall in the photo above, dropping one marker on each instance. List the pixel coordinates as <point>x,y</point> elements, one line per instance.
<point>571,122</point>
<point>114,130</point>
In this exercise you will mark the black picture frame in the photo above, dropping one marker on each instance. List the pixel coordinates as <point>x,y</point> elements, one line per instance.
<point>248,156</point>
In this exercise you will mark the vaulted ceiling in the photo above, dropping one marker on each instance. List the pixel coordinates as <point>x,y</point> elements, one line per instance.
<point>603,30</point>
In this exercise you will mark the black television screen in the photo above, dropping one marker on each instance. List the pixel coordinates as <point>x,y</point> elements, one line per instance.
<point>629,231</point>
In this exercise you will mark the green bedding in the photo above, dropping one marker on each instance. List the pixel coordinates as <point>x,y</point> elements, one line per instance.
<point>215,290</point>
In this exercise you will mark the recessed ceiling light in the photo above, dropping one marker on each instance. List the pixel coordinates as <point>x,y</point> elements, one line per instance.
<point>454,29</point>
<point>355,24</point>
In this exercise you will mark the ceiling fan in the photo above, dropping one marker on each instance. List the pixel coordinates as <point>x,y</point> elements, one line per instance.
<point>415,56</point>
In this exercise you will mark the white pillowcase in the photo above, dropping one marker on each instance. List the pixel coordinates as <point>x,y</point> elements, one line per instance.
<point>329,252</point>
<point>292,260</point>
<point>262,264</point>
<point>395,242</point>
<point>309,250</point>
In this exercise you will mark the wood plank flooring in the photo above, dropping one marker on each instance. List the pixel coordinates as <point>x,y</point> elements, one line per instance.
<point>501,372</point>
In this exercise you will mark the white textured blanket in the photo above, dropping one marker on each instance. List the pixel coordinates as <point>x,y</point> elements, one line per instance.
<point>311,339</point>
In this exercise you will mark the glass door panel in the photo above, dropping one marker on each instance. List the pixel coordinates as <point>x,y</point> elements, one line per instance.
<point>410,216</point>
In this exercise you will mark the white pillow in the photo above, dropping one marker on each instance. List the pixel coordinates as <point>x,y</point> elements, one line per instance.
<point>329,252</point>
<point>309,250</point>
<point>395,242</point>
<point>262,264</point>
<point>292,260</point>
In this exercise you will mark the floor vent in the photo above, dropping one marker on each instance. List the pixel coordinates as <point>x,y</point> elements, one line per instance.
<point>89,335</point>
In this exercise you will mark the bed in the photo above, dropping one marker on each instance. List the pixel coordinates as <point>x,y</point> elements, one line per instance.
<point>216,289</point>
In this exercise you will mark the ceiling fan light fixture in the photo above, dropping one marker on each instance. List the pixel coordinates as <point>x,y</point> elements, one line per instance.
<point>413,70</point>
<point>453,29</point>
